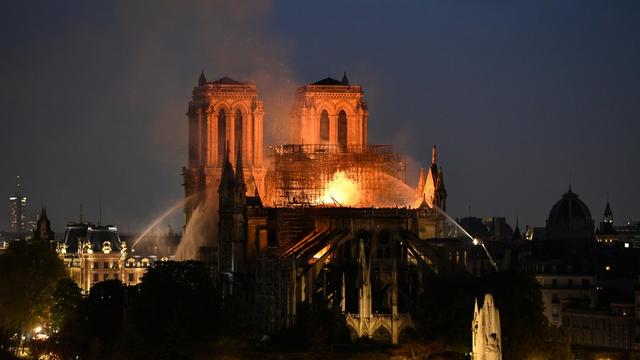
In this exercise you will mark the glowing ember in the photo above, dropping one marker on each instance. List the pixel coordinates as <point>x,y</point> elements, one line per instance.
<point>341,190</point>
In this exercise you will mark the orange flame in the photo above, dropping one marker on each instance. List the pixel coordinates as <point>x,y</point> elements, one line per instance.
<point>341,189</point>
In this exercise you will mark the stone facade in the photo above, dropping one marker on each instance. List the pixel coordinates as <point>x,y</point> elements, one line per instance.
<point>223,113</point>
<point>95,253</point>
<point>330,112</point>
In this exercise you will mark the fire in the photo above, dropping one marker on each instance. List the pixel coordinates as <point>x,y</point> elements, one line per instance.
<point>343,190</point>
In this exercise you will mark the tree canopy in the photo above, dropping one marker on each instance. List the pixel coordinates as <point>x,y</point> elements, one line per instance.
<point>445,313</point>
<point>30,271</point>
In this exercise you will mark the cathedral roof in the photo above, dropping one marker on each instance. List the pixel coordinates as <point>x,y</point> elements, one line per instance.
<point>332,82</point>
<point>569,208</point>
<point>227,81</point>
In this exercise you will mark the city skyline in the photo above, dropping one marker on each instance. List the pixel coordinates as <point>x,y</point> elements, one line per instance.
<point>522,100</point>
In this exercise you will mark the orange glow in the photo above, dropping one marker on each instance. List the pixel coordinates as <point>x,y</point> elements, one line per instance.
<point>341,189</point>
<point>319,254</point>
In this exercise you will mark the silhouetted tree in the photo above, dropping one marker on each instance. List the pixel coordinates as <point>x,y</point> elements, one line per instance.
<point>175,308</point>
<point>103,313</point>
<point>445,313</point>
<point>317,327</point>
<point>29,271</point>
<point>70,320</point>
<point>65,304</point>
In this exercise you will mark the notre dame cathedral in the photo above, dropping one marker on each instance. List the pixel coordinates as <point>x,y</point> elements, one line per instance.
<point>326,217</point>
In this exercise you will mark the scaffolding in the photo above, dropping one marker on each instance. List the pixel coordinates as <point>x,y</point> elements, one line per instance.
<point>299,174</point>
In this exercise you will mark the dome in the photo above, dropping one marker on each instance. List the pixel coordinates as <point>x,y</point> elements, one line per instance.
<point>569,208</point>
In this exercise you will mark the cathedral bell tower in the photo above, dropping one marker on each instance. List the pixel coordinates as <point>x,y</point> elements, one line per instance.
<point>220,112</point>
<point>330,112</point>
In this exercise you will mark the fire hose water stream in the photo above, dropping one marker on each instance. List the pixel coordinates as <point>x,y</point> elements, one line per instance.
<point>475,241</point>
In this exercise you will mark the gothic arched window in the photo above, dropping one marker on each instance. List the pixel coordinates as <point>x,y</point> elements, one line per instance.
<point>222,134</point>
<point>342,128</point>
<point>238,130</point>
<point>324,126</point>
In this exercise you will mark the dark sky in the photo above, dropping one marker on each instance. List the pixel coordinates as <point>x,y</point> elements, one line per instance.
<point>520,97</point>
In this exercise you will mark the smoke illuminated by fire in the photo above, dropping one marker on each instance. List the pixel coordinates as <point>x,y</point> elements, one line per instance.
<point>342,190</point>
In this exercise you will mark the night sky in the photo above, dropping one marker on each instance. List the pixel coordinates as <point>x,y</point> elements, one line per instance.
<point>522,98</point>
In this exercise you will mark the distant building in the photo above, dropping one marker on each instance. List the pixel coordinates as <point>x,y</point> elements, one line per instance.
<point>587,278</point>
<point>95,253</point>
<point>626,236</point>
<point>629,233</point>
<point>612,328</point>
<point>43,230</point>
<point>18,210</point>
<point>560,260</point>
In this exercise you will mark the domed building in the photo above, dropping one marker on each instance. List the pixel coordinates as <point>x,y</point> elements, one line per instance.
<point>562,261</point>
<point>570,220</point>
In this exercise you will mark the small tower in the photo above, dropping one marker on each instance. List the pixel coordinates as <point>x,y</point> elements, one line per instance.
<point>43,230</point>
<point>202,80</point>
<point>222,112</point>
<point>231,227</point>
<point>329,112</point>
<point>431,184</point>
<point>517,235</point>
<point>440,196</point>
<point>608,214</point>
<point>345,80</point>
<point>364,283</point>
